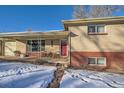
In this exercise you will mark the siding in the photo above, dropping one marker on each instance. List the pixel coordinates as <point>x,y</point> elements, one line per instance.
<point>112,42</point>
<point>9,47</point>
<point>54,48</point>
<point>110,46</point>
<point>21,46</point>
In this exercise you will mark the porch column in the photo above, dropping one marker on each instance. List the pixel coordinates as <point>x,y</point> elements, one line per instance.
<point>69,48</point>
<point>2,47</point>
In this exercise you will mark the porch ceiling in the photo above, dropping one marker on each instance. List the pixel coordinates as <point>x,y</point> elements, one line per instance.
<point>42,35</point>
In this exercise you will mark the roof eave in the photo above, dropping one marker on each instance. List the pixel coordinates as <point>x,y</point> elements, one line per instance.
<point>89,20</point>
<point>40,34</point>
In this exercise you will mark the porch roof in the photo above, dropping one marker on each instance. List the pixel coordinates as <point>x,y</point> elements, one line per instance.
<point>23,35</point>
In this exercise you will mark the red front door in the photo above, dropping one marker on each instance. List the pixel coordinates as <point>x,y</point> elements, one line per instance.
<point>64,48</point>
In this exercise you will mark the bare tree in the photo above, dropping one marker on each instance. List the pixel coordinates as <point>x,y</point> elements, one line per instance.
<point>94,11</point>
<point>79,11</point>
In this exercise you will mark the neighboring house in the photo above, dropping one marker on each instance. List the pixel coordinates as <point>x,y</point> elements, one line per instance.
<point>93,42</point>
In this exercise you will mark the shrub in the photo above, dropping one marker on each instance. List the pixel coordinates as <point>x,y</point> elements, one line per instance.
<point>17,53</point>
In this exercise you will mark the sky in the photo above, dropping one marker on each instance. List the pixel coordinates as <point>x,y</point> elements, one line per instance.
<point>38,18</point>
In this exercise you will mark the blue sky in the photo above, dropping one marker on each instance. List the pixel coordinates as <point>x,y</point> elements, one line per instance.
<point>39,18</point>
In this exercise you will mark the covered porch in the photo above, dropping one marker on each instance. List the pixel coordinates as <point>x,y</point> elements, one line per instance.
<point>48,46</point>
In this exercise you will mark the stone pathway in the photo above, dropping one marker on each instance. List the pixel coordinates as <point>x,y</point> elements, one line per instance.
<point>57,76</point>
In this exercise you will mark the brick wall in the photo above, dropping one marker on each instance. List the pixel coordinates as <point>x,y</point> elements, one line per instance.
<point>115,60</point>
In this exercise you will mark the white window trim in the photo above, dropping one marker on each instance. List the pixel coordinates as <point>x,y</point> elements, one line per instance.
<point>31,46</point>
<point>96,28</point>
<point>96,61</point>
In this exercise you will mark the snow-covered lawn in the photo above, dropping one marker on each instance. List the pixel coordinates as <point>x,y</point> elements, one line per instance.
<point>25,75</point>
<point>91,79</point>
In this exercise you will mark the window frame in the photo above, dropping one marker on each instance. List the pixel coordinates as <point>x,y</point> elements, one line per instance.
<point>34,48</point>
<point>96,61</point>
<point>96,29</point>
<point>39,44</point>
<point>90,26</point>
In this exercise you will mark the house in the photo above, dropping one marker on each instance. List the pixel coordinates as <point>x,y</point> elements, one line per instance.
<point>86,43</point>
<point>97,42</point>
<point>34,44</point>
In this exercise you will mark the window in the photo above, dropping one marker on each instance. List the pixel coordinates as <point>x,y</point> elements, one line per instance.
<point>100,29</point>
<point>100,61</point>
<point>97,61</point>
<point>51,43</point>
<point>91,60</point>
<point>91,29</point>
<point>29,45</point>
<point>42,46</point>
<point>35,45</point>
<point>96,29</point>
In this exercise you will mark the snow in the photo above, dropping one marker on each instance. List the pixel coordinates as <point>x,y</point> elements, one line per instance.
<point>25,75</point>
<point>22,75</point>
<point>91,79</point>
